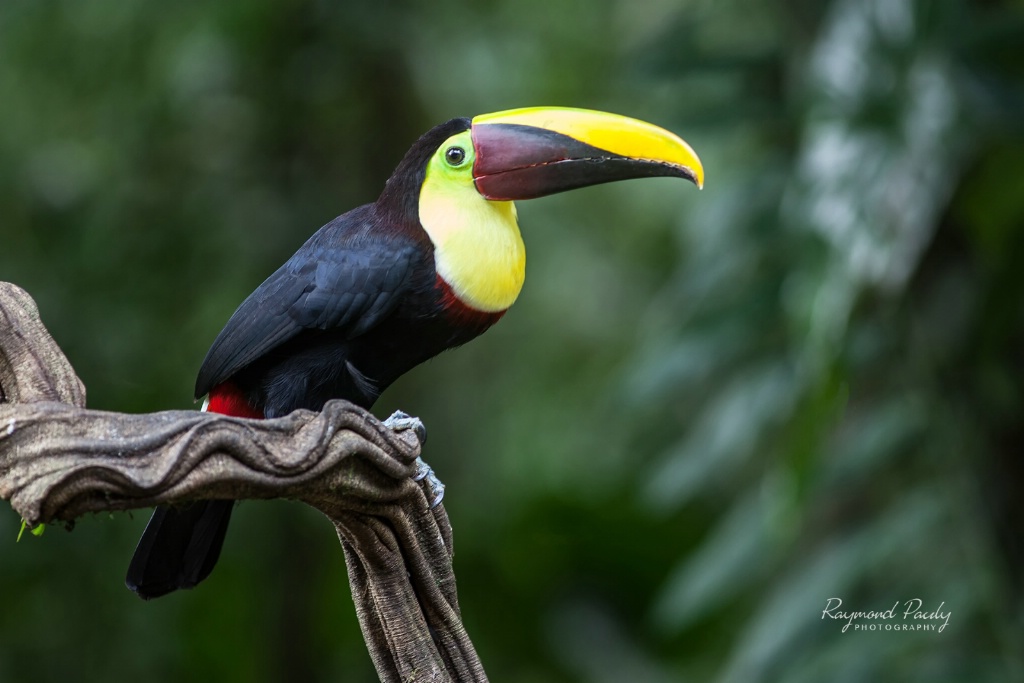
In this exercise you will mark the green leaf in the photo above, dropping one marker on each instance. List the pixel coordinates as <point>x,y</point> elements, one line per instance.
<point>36,531</point>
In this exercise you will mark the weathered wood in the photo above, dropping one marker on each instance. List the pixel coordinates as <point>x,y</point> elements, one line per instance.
<point>59,460</point>
<point>32,366</point>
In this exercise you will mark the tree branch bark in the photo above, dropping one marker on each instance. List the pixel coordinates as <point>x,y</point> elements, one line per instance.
<point>59,460</point>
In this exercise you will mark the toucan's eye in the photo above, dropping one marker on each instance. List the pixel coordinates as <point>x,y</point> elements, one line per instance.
<point>455,156</point>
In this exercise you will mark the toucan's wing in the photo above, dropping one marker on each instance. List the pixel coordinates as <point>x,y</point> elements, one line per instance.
<point>348,284</point>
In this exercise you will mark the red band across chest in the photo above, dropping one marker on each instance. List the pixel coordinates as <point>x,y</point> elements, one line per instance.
<point>460,313</point>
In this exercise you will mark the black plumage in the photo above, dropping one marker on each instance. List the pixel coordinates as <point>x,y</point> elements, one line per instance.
<point>357,306</point>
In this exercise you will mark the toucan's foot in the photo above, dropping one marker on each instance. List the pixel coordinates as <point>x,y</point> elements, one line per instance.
<point>433,485</point>
<point>400,421</point>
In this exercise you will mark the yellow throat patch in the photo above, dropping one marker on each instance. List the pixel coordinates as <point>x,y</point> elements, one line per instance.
<point>478,250</point>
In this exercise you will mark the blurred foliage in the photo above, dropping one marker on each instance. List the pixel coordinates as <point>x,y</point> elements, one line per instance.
<point>708,414</point>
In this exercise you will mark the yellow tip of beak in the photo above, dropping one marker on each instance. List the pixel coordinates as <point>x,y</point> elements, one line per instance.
<point>619,135</point>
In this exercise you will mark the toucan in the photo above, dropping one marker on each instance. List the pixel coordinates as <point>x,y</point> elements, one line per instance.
<point>433,263</point>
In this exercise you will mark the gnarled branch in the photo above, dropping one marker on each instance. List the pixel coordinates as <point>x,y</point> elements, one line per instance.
<point>59,460</point>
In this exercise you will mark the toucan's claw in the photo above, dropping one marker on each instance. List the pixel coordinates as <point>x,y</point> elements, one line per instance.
<point>401,421</point>
<point>434,486</point>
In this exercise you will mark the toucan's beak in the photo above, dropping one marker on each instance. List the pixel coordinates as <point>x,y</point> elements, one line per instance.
<point>527,153</point>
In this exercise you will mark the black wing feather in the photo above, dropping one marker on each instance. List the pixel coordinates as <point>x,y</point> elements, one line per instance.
<point>339,280</point>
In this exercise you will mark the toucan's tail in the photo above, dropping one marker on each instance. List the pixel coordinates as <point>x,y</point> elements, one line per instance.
<point>181,544</point>
<point>179,547</point>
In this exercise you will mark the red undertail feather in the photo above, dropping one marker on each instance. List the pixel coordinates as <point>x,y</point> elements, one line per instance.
<point>227,399</point>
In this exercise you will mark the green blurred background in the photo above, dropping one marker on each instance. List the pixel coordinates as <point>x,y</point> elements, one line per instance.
<point>709,411</point>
